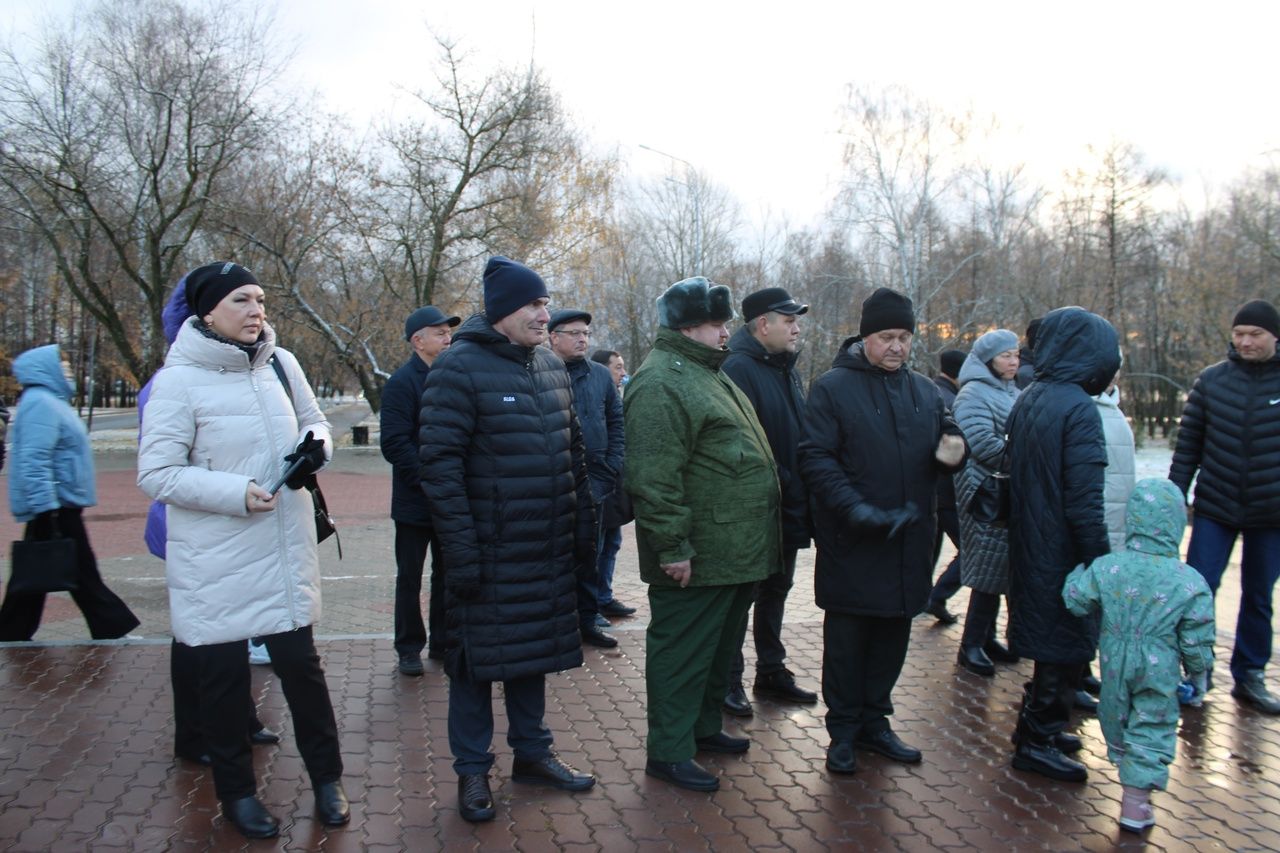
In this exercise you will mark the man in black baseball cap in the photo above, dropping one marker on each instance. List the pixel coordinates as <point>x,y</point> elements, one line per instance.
<point>429,331</point>
<point>762,363</point>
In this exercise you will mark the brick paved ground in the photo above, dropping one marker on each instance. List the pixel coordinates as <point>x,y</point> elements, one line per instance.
<point>86,763</point>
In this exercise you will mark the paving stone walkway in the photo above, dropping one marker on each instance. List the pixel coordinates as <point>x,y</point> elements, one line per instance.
<point>86,738</point>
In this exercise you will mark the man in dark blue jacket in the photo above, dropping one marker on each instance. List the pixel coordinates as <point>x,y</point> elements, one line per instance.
<point>600,415</point>
<point>511,504</point>
<point>1058,457</point>
<point>429,332</point>
<point>1230,434</point>
<point>762,363</point>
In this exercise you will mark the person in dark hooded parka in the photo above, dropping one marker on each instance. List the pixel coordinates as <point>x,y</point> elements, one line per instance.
<point>1058,457</point>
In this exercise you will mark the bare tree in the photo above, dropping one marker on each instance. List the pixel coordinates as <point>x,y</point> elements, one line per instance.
<point>120,127</point>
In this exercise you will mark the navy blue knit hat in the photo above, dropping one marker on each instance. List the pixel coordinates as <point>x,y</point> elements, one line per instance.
<point>508,287</point>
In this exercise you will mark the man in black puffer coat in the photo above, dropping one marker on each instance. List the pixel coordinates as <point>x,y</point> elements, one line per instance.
<point>1058,458</point>
<point>1230,433</point>
<point>503,454</point>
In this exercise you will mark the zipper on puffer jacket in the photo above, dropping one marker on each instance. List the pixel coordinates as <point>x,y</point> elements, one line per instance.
<point>282,561</point>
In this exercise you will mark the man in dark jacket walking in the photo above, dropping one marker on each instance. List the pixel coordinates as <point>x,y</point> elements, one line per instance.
<point>512,507</point>
<point>599,409</point>
<point>429,332</point>
<point>762,359</point>
<point>876,438</point>
<point>1230,434</point>
<point>948,584</point>
<point>1057,455</point>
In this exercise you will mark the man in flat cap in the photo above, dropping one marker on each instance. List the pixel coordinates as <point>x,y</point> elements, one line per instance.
<point>762,359</point>
<point>511,504</point>
<point>877,437</point>
<point>705,488</point>
<point>1230,435</point>
<point>599,409</point>
<point>429,333</point>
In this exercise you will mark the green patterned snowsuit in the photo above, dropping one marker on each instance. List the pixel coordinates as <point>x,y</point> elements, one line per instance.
<point>1157,616</point>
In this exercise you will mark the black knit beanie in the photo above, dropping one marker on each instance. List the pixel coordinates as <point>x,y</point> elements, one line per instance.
<point>508,287</point>
<point>886,309</point>
<point>208,285</point>
<point>1258,313</point>
<point>951,360</point>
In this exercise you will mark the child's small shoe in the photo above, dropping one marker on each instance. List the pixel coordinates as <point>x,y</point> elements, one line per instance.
<point>1136,813</point>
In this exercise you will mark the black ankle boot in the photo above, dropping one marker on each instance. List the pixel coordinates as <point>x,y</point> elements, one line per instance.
<point>248,815</point>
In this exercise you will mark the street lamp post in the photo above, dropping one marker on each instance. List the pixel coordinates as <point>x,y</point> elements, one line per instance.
<point>690,183</point>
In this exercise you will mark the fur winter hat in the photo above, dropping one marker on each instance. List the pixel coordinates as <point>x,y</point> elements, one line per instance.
<point>694,301</point>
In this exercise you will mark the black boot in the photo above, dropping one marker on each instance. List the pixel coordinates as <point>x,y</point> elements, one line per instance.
<point>974,659</point>
<point>248,815</point>
<point>331,804</point>
<point>1048,760</point>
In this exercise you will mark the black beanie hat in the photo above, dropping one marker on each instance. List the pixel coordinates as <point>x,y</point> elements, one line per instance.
<point>952,360</point>
<point>886,309</point>
<point>508,287</point>
<point>1258,313</point>
<point>208,285</point>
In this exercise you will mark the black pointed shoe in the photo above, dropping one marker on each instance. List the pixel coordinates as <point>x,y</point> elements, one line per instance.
<point>475,800</point>
<point>974,659</point>
<point>999,652</point>
<point>689,774</point>
<point>1084,702</point>
<point>331,804</point>
<point>781,685</point>
<point>614,607</point>
<point>593,636</point>
<point>264,737</point>
<point>251,818</point>
<point>841,758</point>
<point>938,610</point>
<point>723,742</point>
<point>1048,761</point>
<point>552,772</point>
<point>736,703</point>
<point>889,745</point>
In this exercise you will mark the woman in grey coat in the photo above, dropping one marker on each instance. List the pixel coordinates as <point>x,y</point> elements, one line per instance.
<point>987,392</point>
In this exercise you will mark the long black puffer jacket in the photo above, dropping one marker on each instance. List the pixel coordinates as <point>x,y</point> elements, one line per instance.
<point>1058,458</point>
<point>869,438</point>
<point>1230,431</point>
<point>503,460</point>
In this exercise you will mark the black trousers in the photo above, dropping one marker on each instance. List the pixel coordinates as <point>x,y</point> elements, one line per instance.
<point>862,657</point>
<point>766,623</point>
<point>1046,702</point>
<point>411,636</point>
<point>188,730</point>
<point>224,689</point>
<point>980,619</point>
<point>948,583</point>
<point>108,617</point>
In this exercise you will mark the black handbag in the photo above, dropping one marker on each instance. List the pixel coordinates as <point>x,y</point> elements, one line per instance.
<point>43,565</point>
<point>325,526</point>
<point>990,503</point>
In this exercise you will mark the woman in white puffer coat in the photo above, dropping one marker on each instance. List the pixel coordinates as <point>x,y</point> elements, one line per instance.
<point>240,561</point>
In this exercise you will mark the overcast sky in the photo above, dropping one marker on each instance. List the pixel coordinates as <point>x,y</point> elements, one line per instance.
<point>750,92</point>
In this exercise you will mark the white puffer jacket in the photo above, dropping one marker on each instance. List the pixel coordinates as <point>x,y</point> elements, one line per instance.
<point>1121,465</point>
<point>214,422</point>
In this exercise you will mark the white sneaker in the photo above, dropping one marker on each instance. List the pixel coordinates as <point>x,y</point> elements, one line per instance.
<point>258,654</point>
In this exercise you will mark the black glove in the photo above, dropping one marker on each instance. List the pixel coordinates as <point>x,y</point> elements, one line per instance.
<point>311,451</point>
<point>867,517</point>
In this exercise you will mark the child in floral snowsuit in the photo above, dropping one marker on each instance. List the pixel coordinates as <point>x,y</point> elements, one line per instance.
<point>1157,617</point>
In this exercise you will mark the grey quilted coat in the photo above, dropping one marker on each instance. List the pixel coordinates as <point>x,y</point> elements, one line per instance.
<point>981,409</point>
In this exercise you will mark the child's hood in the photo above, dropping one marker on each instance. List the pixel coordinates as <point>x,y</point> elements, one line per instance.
<point>1155,518</point>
